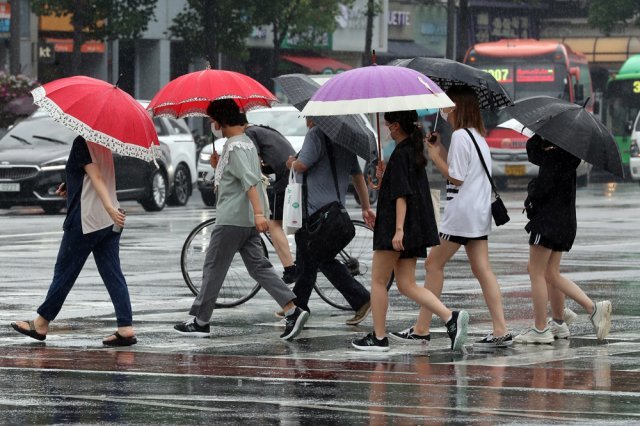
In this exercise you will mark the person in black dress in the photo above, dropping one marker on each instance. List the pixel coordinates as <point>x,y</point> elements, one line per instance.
<point>551,209</point>
<point>405,226</point>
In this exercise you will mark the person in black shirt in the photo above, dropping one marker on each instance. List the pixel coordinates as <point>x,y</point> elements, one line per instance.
<point>551,209</point>
<point>405,226</point>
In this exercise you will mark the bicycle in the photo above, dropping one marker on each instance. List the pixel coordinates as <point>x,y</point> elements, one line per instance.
<point>239,287</point>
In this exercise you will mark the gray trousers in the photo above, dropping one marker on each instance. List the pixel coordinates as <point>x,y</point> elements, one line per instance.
<point>225,242</point>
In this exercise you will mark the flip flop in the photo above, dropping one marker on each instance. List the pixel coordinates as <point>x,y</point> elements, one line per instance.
<point>31,332</point>
<point>120,340</point>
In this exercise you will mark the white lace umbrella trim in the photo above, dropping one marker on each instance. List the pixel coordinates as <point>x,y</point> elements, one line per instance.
<point>115,145</point>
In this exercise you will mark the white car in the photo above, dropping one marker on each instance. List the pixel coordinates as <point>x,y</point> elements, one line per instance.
<point>179,173</point>
<point>284,118</point>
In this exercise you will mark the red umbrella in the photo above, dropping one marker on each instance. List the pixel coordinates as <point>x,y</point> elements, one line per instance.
<point>101,113</point>
<point>189,95</point>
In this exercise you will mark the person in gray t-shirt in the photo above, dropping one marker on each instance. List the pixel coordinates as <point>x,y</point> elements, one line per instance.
<point>321,189</point>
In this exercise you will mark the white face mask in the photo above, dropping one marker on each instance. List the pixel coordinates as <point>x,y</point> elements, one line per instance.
<point>217,133</point>
<point>444,115</point>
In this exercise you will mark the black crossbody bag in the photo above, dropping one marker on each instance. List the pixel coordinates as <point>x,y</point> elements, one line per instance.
<point>498,209</point>
<point>329,229</point>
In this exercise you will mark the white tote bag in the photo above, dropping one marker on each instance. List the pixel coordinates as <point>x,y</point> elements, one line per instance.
<point>292,209</point>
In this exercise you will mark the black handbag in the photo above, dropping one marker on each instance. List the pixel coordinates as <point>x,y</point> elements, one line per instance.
<point>498,209</point>
<point>330,228</point>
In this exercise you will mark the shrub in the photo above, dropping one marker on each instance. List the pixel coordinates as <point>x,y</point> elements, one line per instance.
<point>13,87</point>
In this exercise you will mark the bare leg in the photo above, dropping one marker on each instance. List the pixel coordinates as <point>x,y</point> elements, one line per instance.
<point>280,242</point>
<point>538,261</point>
<point>434,280</point>
<point>406,278</point>
<point>382,265</point>
<point>478,254</point>
<point>556,299</point>
<point>565,285</point>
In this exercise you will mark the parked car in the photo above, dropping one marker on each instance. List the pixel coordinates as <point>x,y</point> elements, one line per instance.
<point>634,150</point>
<point>288,121</point>
<point>34,152</point>
<point>179,167</point>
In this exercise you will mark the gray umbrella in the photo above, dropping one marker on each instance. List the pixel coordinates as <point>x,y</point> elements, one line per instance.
<point>348,131</point>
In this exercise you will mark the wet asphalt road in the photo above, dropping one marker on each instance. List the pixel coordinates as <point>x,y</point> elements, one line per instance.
<point>245,374</point>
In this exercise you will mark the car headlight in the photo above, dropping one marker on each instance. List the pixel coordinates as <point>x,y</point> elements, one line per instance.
<point>57,164</point>
<point>204,157</point>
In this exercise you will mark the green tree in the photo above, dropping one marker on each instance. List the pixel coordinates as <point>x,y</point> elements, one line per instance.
<point>605,14</point>
<point>208,28</point>
<point>99,19</point>
<point>303,20</point>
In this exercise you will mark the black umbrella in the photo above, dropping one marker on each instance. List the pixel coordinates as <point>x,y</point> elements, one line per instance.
<point>572,128</point>
<point>446,73</point>
<point>348,131</point>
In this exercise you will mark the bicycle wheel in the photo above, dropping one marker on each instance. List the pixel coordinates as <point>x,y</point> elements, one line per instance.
<point>357,257</point>
<point>238,286</point>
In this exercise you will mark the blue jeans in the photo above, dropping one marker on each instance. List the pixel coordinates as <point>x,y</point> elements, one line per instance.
<point>75,248</point>
<point>337,273</point>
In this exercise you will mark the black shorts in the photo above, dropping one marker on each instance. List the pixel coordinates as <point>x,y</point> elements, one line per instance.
<point>420,252</point>
<point>461,240</point>
<point>276,204</point>
<point>536,239</point>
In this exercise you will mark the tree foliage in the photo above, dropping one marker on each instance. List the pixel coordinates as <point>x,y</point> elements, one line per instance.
<point>208,28</point>
<point>605,14</point>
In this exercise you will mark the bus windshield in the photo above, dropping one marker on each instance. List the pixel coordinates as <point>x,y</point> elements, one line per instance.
<point>526,79</point>
<point>622,103</point>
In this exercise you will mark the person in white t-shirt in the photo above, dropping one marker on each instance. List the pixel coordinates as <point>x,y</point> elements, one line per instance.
<point>467,215</point>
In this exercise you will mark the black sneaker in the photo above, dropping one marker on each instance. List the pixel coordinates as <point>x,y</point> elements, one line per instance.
<point>457,329</point>
<point>408,336</point>
<point>291,274</point>
<point>294,325</point>
<point>191,328</point>
<point>495,342</point>
<point>371,343</point>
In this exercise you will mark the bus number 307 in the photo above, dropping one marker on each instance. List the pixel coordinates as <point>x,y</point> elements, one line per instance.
<point>500,74</point>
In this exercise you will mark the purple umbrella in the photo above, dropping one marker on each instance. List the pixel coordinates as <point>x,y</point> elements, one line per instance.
<point>376,88</point>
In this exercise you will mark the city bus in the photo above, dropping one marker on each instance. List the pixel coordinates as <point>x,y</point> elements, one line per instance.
<point>621,104</point>
<point>526,68</point>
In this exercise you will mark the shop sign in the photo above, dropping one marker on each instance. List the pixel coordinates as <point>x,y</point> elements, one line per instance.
<point>5,19</point>
<point>399,18</point>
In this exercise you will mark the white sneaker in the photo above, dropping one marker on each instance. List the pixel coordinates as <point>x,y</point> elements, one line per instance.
<point>568,316</point>
<point>559,331</point>
<point>533,335</point>
<point>601,319</point>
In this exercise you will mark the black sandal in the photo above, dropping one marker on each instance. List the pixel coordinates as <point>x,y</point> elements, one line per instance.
<point>120,340</point>
<point>31,332</point>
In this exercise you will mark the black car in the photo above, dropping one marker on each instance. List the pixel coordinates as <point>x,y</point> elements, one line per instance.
<point>33,155</point>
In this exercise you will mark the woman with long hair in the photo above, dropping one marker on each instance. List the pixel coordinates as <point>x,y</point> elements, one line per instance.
<point>405,226</point>
<point>467,215</point>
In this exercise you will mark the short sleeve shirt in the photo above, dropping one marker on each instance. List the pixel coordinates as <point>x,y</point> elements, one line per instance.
<point>239,175</point>
<point>467,211</point>
<point>321,189</point>
<point>84,207</point>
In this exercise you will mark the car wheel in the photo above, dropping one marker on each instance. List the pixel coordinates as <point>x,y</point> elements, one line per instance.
<point>208,197</point>
<point>181,187</point>
<point>51,208</point>
<point>157,193</point>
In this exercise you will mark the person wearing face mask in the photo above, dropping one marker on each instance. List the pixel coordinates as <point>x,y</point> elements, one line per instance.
<point>405,226</point>
<point>274,150</point>
<point>467,216</point>
<point>240,217</point>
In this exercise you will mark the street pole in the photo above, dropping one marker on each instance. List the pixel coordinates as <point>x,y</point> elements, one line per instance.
<point>451,30</point>
<point>14,30</point>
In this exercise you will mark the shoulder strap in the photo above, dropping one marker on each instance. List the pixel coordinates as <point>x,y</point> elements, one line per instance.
<point>329,146</point>
<point>484,165</point>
